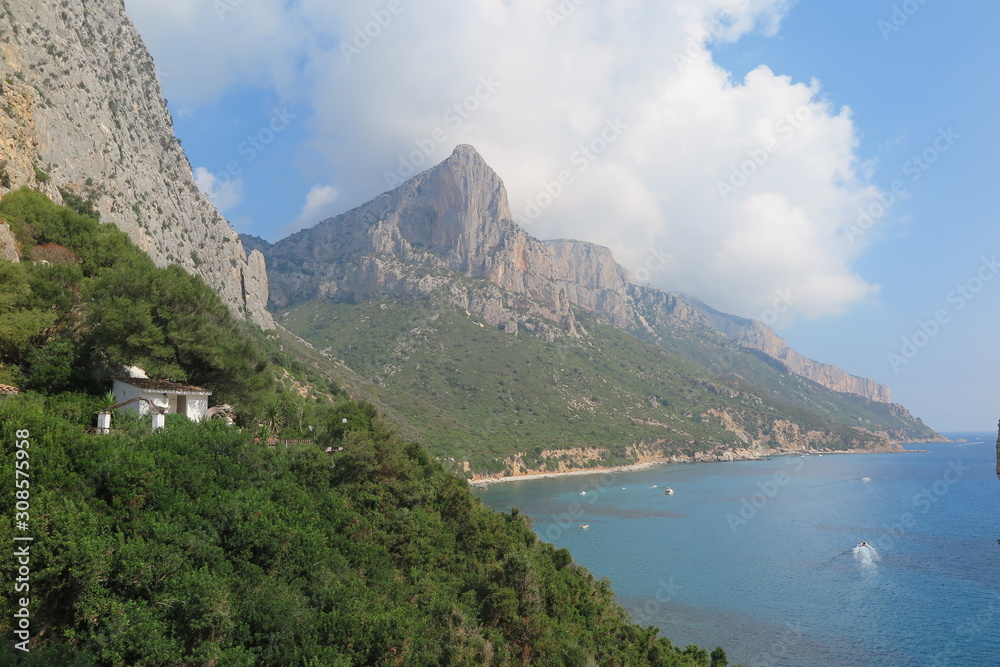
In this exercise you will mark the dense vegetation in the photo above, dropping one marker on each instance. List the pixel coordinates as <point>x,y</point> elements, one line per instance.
<point>474,393</point>
<point>89,302</point>
<point>193,545</point>
<point>198,545</point>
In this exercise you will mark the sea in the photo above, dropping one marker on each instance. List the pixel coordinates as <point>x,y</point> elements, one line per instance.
<point>765,558</point>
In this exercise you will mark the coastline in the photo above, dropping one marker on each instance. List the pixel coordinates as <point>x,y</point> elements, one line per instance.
<point>486,482</point>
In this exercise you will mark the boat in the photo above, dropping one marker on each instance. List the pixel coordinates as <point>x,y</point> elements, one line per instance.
<point>584,526</point>
<point>668,492</point>
<point>583,493</point>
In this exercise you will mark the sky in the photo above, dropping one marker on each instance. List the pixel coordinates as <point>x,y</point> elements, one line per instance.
<point>826,168</point>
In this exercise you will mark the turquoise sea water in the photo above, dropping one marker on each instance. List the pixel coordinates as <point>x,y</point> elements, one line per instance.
<point>762,557</point>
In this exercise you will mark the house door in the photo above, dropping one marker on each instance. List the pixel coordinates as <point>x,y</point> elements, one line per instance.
<point>182,405</point>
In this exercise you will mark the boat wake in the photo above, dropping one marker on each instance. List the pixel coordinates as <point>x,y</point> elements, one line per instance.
<point>865,554</point>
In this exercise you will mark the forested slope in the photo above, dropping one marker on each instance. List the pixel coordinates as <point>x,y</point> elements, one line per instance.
<point>198,544</point>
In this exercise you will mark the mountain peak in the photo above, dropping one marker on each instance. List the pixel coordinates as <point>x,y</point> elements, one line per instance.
<point>466,151</point>
<point>465,188</point>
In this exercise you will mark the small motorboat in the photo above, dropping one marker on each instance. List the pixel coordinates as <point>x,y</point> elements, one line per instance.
<point>584,526</point>
<point>583,493</point>
<point>668,492</point>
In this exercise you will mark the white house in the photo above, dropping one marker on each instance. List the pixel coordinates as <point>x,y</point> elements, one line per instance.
<point>172,397</point>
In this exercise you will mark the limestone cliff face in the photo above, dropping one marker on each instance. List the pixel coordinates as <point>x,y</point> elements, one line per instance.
<point>590,278</point>
<point>760,337</point>
<point>83,111</point>
<point>454,219</point>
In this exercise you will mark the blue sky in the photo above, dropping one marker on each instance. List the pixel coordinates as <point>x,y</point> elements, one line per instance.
<point>749,135</point>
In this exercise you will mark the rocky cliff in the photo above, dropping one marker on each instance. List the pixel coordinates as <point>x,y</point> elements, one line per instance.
<point>759,336</point>
<point>83,113</point>
<point>455,218</point>
<point>452,219</point>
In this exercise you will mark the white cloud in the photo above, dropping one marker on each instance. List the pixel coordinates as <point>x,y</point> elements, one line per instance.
<point>225,197</point>
<point>321,203</point>
<point>689,125</point>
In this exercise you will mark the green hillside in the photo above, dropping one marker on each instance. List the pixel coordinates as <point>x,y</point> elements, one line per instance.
<point>474,393</point>
<point>720,356</point>
<point>196,546</point>
<point>199,545</point>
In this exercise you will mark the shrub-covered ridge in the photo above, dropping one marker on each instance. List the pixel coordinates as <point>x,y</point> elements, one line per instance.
<point>194,545</point>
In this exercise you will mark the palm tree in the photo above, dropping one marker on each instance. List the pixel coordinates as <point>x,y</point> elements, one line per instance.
<point>274,417</point>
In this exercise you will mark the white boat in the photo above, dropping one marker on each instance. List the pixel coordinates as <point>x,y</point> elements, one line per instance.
<point>668,492</point>
<point>584,526</point>
<point>583,493</point>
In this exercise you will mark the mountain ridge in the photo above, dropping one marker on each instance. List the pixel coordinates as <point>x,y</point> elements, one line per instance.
<point>455,216</point>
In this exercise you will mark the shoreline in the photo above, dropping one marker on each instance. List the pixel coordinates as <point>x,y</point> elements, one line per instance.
<point>485,482</point>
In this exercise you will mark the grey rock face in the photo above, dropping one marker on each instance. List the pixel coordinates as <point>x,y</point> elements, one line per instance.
<point>8,244</point>
<point>454,219</point>
<point>84,111</point>
<point>760,337</point>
